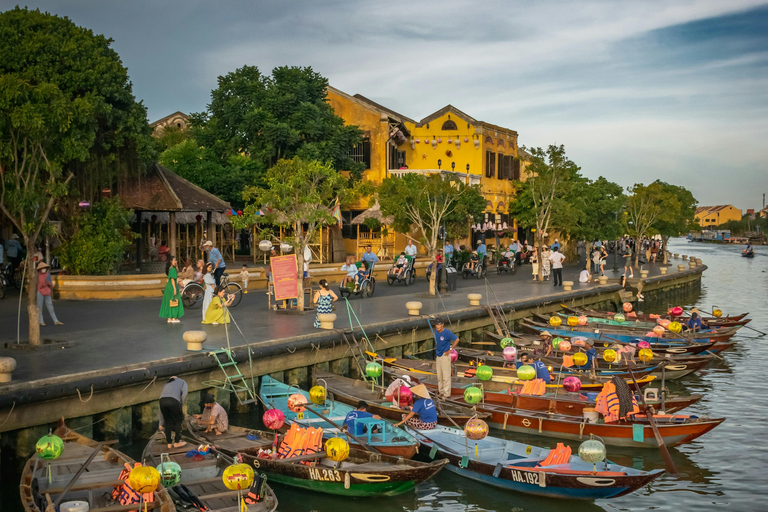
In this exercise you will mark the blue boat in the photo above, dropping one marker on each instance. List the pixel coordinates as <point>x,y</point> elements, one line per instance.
<point>531,470</point>
<point>388,440</point>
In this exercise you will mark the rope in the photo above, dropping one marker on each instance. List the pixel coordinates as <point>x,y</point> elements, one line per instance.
<point>13,406</point>
<point>541,420</point>
<point>506,417</point>
<point>581,429</point>
<point>120,409</point>
<point>81,397</point>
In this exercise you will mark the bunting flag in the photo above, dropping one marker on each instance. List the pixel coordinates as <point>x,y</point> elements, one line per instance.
<point>337,213</point>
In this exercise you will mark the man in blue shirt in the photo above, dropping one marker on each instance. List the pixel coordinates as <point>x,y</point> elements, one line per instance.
<point>13,250</point>
<point>369,256</point>
<point>591,357</point>
<point>541,369</point>
<point>424,407</point>
<point>694,323</point>
<point>445,341</point>
<point>359,413</point>
<point>481,249</point>
<point>556,245</point>
<point>216,259</point>
<point>448,252</point>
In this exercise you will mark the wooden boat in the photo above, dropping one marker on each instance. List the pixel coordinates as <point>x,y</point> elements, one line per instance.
<point>643,325</point>
<point>351,391</point>
<point>722,321</point>
<point>202,478</point>
<point>393,441</point>
<point>748,254</point>
<point>522,468</point>
<point>94,486</point>
<point>363,473</point>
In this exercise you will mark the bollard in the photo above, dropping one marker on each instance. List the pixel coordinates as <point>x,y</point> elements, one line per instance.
<point>567,286</point>
<point>474,299</point>
<point>195,339</point>
<point>326,320</point>
<point>663,270</point>
<point>603,279</point>
<point>684,257</point>
<point>681,268</point>
<point>643,274</point>
<point>676,255</point>
<point>413,307</point>
<point>7,365</point>
<point>692,263</point>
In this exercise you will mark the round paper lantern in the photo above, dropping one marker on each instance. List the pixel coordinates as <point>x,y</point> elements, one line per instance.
<point>663,322</point>
<point>555,321</point>
<point>265,245</point>
<point>373,370</point>
<point>572,384</point>
<point>238,476</point>
<point>144,479</point>
<point>337,449</point>
<point>476,429</point>
<point>583,320</point>
<point>404,395</point>
<point>580,358</point>
<point>579,341</point>
<point>170,473</point>
<point>510,353</point>
<point>507,342</point>
<point>573,321</point>
<point>317,395</point>
<point>484,372</point>
<point>556,343</point>
<point>618,317</point>
<point>565,346</point>
<point>675,327</point>
<point>473,395</point>
<point>651,334</point>
<point>49,447</point>
<point>645,355</point>
<point>296,402</point>
<point>644,344</point>
<point>717,313</point>
<point>609,355</point>
<point>627,307</point>
<point>273,419</point>
<point>526,372</point>
<point>676,311</point>
<point>592,451</point>
<point>286,247</point>
<point>658,330</point>
<point>454,355</point>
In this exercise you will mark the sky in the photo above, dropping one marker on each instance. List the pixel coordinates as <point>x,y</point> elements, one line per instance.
<point>635,90</point>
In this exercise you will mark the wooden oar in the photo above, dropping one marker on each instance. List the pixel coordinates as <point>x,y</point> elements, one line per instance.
<point>358,441</point>
<point>75,477</point>
<point>660,440</point>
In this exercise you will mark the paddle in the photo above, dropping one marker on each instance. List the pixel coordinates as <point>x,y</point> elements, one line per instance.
<point>75,478</point>
<point>358,441</point>
<point>659,440</point>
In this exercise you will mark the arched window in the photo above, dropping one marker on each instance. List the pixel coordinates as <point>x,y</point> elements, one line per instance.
<point>450,125</point>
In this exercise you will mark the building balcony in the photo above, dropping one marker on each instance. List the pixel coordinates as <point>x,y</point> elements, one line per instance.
<point>469,179</point>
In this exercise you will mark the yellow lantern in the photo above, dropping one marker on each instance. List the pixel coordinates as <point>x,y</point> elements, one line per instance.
<point>317,395</point>
<point>675,327</point>
<point>645,354</point>
<point>337,449</point>
<point>144,479</point>
<point>573,321</point>
<point>580,359</point>
<point>609,355</point>
<point>717,313</point>
<point>238,476</point>
<point>555,321</point>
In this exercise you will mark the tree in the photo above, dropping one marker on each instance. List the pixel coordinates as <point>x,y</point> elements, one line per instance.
<point>426,202</point>
<point>646,207</point>
<point>679,220</point>
<point>545,200</point>
<point>595,214</point>
<point>299,195</point>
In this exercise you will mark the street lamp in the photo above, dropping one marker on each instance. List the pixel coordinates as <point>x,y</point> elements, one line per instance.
<point>439,163</point>
<point>453,166</point>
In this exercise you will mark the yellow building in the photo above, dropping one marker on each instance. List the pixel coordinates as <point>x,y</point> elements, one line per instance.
<point>708,216</point>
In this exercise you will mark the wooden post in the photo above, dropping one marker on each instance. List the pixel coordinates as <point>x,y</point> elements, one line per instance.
<point>172,234</point>
<point>210,228</point>
<point>140,240</point>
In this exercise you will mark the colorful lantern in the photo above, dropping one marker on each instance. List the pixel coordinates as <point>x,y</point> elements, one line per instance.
<point>373,370</point>
<point>627,307</point>
<point>454,355</point>
<point>592,451</point>
<point>609,355</point>
<point>565,346</point>
<point>583,320</point>
<point>644,344</point>
<point>404,395</point>
<point>556,343</point>
<point>555,321</point>
<point>49,447</point>
<point>651,334</point>
<point>170,472</point>
<point>317,395</point>
<point>296,402</point>
<point>658,330</point>
<point>675,311</point>
<point>273,419</point>
<point>663,322</point>
<point>526,372</point>
<point>645,355</point>
<point>573,321</point>
<point>717,313</point>
<point>144,479</point>
<point>579,341</point>
<point>476,429</point>
<point>510,353</point>
<point>473,395</point>
<point>337,449</point>
<point>238,477</point>
<point>675,327</point>
<point>484,372</point>
<point>580,359</point>
<point>618,317</point>
<point>507,342</point>
<point>572,384</point>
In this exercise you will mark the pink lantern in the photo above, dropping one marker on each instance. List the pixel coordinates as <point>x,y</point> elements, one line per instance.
<point>572,384</point>
<point>644,344</point>
<point>466,139</point>
<point>273,419</point>
<point>564,346</point>
<point>418,141</point>
<point>296,403</point>
<point>658,330</point>
<point>439,140</point>
<point>450,141</point>
<point>454,355</point>
<point>676,311</point>
<point>664,323</point>
<point>404,394</point>
<point>510,353</point>
<point>583,320</point>
<point>579,341</point>
<point>651,334</point>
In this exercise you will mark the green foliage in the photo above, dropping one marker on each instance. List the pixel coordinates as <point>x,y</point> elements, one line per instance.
<point>101,237</point>
<point>654,206</point>
<point>596,207</point>
<point>681,219</point>
<point>171,136</point>
<point>372,223</point>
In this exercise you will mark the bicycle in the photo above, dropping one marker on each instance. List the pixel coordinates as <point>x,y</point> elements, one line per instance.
<point>193,294</point>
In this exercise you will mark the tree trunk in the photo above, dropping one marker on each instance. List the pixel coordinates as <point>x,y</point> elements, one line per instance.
<point>300,274</point>
<point>433,275</point>
<point>31,277</point>
<point>540,245</point>
<point>638,248</point>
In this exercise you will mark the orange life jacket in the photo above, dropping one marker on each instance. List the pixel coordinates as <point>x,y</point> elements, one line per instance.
<point>607,404</point>
<point>127,496</point>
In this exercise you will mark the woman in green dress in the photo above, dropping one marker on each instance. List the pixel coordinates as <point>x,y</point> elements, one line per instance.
<point>171,293</point>
<point>217,312</point>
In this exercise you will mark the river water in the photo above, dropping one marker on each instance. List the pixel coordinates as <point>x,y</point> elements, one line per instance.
<point>725,469</point>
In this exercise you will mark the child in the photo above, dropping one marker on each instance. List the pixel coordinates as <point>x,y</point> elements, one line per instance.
<point>361,274</point>
<point>401,262</point>
<point>474,259</point>
<point>244,276</point>
<point>351,270</point>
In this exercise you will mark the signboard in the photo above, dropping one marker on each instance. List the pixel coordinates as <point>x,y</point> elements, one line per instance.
<point>284,277</point>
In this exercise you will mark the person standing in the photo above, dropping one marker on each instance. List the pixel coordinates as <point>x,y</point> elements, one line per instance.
<point>410,249</point>
<point>628,261</point>
<point>448,251</point>
<point>209,285</point>
<point>13,251</point>
<point>603,259</point>
<point>546,264</point>
<point>556,245</point>
<point>557,258</point>
<point>44,288</point>
<point>324,298</point>
<point>217,260</point>
<point>172,399</point>
<point>172,308</point>
<point>445,341</point>
<point>534,263</point>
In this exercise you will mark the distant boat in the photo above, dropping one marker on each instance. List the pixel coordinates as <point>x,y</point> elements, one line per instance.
<point>748,253</point>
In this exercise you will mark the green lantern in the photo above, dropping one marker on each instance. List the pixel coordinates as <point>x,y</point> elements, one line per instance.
<point>484,372</point>
<point>170,472</point>
<point>556,343</point>
<point>49,447</point>
<point>373,370</point>
<point>619,318</point>
<point>592,451</point>
<point>507,342</point>
<point>473,395</point>
<point>526,372</point>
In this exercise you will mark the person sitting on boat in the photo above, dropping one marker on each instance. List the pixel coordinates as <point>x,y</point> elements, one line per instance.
<point>694,323</point>
<point>591,356</point>
<point>391,393</point>
<point>214,417</point>
<point>423,415</point>
<point>359,413</point>
<point>546,345</point>
<point>541,369</point>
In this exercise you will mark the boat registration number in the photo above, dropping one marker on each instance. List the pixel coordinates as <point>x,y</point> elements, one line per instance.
<point>325,475</point>
<point>525,478</point>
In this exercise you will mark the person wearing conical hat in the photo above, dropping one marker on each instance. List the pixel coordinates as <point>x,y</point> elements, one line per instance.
<point>423,415</point>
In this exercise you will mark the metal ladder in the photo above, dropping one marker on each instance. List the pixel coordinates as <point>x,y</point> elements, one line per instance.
<point>235,382</point>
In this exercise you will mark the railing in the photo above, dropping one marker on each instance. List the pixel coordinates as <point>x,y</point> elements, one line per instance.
<point>469,179</point>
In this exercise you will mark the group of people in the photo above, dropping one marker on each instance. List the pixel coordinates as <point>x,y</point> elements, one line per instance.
<point>173,398</point>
